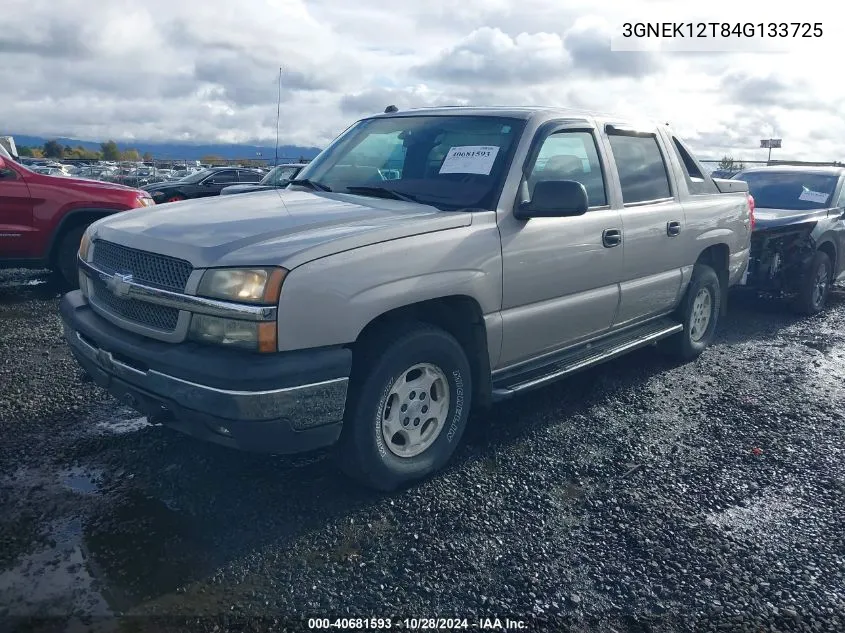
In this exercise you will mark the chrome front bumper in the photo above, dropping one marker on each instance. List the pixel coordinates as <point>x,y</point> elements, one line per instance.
<point>306,405</point>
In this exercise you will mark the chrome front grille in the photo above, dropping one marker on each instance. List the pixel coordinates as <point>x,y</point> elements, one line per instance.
<point>147,314</point>
<point>151,269</point>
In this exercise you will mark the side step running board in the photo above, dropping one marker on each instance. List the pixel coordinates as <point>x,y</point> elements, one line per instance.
<point>531,375</point>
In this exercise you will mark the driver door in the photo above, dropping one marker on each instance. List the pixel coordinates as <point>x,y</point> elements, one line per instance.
<point>17,231</point>
<point>214,183</point>
<point>560,275</point>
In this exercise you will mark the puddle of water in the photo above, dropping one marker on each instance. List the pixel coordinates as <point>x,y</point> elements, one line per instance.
<point>81,480</point>
<point>119,427</point>
<point>54,581</point>
<point>768,517</point>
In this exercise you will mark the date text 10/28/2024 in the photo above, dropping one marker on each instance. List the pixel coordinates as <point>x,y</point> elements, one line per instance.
<point>418,624</point>
<point>668,30</point>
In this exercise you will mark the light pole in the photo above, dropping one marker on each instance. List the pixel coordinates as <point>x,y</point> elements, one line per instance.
<point>278,115</point>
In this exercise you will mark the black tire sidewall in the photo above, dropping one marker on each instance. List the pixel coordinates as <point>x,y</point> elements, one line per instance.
<point>805,298</point>
<point>379,465</point>
<point>67,254</point>
<point>702,277</point>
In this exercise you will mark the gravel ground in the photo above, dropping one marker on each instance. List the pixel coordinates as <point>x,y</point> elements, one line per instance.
<point>638,496</point>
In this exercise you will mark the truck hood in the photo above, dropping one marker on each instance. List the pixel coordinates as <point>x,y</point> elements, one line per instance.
<point>271,228</point>
<point>776,218</point>
<point>246,188</point>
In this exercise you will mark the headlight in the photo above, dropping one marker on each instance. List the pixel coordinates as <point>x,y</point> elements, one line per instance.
<point>249,335</point>
<point>85,245</point>
<point>244,285</point>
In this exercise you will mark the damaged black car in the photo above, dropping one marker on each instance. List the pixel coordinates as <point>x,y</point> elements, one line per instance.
<point>798,238</point>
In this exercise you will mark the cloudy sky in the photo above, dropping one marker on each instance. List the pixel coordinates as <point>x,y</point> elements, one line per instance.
<point>207,70</point>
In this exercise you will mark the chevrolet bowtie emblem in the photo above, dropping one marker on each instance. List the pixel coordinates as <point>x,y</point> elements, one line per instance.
<point>119,284</point>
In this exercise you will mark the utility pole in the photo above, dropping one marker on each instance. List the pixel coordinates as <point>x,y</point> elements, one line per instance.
<point>278,115</point>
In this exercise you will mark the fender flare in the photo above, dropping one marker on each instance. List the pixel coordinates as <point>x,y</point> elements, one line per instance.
<point>69,219</point>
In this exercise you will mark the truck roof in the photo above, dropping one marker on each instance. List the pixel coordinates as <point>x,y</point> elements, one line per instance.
<point>518,112</point>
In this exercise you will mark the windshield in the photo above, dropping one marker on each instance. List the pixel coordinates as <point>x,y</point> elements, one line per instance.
<point>279,175</point>
<point>794,191</point>
<point>197,176</point>
<point>450,162</point>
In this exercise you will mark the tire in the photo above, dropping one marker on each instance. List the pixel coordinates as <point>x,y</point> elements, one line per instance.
<point>366,450</point>
<point>174,198</point>
<point>688,344</point>
<point>815,286</point>
<point>66,255</point>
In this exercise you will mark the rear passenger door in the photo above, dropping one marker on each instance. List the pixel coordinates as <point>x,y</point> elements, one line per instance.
<point>653,224</point>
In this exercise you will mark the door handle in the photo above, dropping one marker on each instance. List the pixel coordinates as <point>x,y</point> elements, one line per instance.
<point>673,228</point>
<point>611,238</point>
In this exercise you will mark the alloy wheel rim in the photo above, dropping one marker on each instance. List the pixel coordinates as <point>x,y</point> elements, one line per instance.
<point>415,411</point>
<point>702,309</point>
<point>820,285</point>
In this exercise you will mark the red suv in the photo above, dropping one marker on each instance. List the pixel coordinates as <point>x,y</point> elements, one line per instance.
<point>42,218</point>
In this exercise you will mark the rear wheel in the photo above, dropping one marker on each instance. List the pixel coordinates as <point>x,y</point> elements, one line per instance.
<point>407,409</point>
<point>176,197</point>
<point>815,287</point>
<point>699,313</point>
<point>66,257</point>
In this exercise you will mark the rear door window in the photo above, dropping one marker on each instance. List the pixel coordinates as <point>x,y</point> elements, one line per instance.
<point>642,170</point>
<point>697,182</point>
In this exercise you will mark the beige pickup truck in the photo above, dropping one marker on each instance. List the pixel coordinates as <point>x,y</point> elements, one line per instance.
<point>427,262</point>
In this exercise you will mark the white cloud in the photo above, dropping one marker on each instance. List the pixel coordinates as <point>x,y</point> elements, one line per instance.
<point>202,71</point>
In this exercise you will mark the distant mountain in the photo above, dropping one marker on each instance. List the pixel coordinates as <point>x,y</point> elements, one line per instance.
<point>183,151</point>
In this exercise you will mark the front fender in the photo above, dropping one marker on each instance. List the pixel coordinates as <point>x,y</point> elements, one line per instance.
<point>329,301</point>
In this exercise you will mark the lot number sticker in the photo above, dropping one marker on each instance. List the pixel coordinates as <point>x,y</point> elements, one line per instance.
<point>470,159</point>
<point>813,196</point>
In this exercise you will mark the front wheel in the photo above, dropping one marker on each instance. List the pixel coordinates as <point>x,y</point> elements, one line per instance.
<point>815,287</point>
<point>699,314</point>
<point>407,410</point>
<point>66,257</point>
<point>176,197</point>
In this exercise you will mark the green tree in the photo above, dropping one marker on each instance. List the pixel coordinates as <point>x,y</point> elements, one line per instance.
<point>147,157</point>
<point>110,150</point>
<point>130,155</point>
<point>212,159</point>
<point>23,150</point>
<point>53,149</point>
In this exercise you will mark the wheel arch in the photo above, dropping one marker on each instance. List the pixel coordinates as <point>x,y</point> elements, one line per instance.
<point>70,221</point>
<point>459,315</point>
<point>828,247</point>
<point>717,256</point>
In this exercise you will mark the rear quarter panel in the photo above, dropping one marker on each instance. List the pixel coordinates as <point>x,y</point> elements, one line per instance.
<point>711,219</point>
<point>329,301</point>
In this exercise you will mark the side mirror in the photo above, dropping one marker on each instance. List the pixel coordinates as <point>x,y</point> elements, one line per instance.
<point>555,199</point>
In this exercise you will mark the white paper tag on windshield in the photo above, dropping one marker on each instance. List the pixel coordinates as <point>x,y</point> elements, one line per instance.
<point>813,196</point>
<point>470,159</point>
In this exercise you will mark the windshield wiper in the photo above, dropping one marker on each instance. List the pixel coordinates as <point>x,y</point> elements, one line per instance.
<point>390,193</point>
<point>305,182</point>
